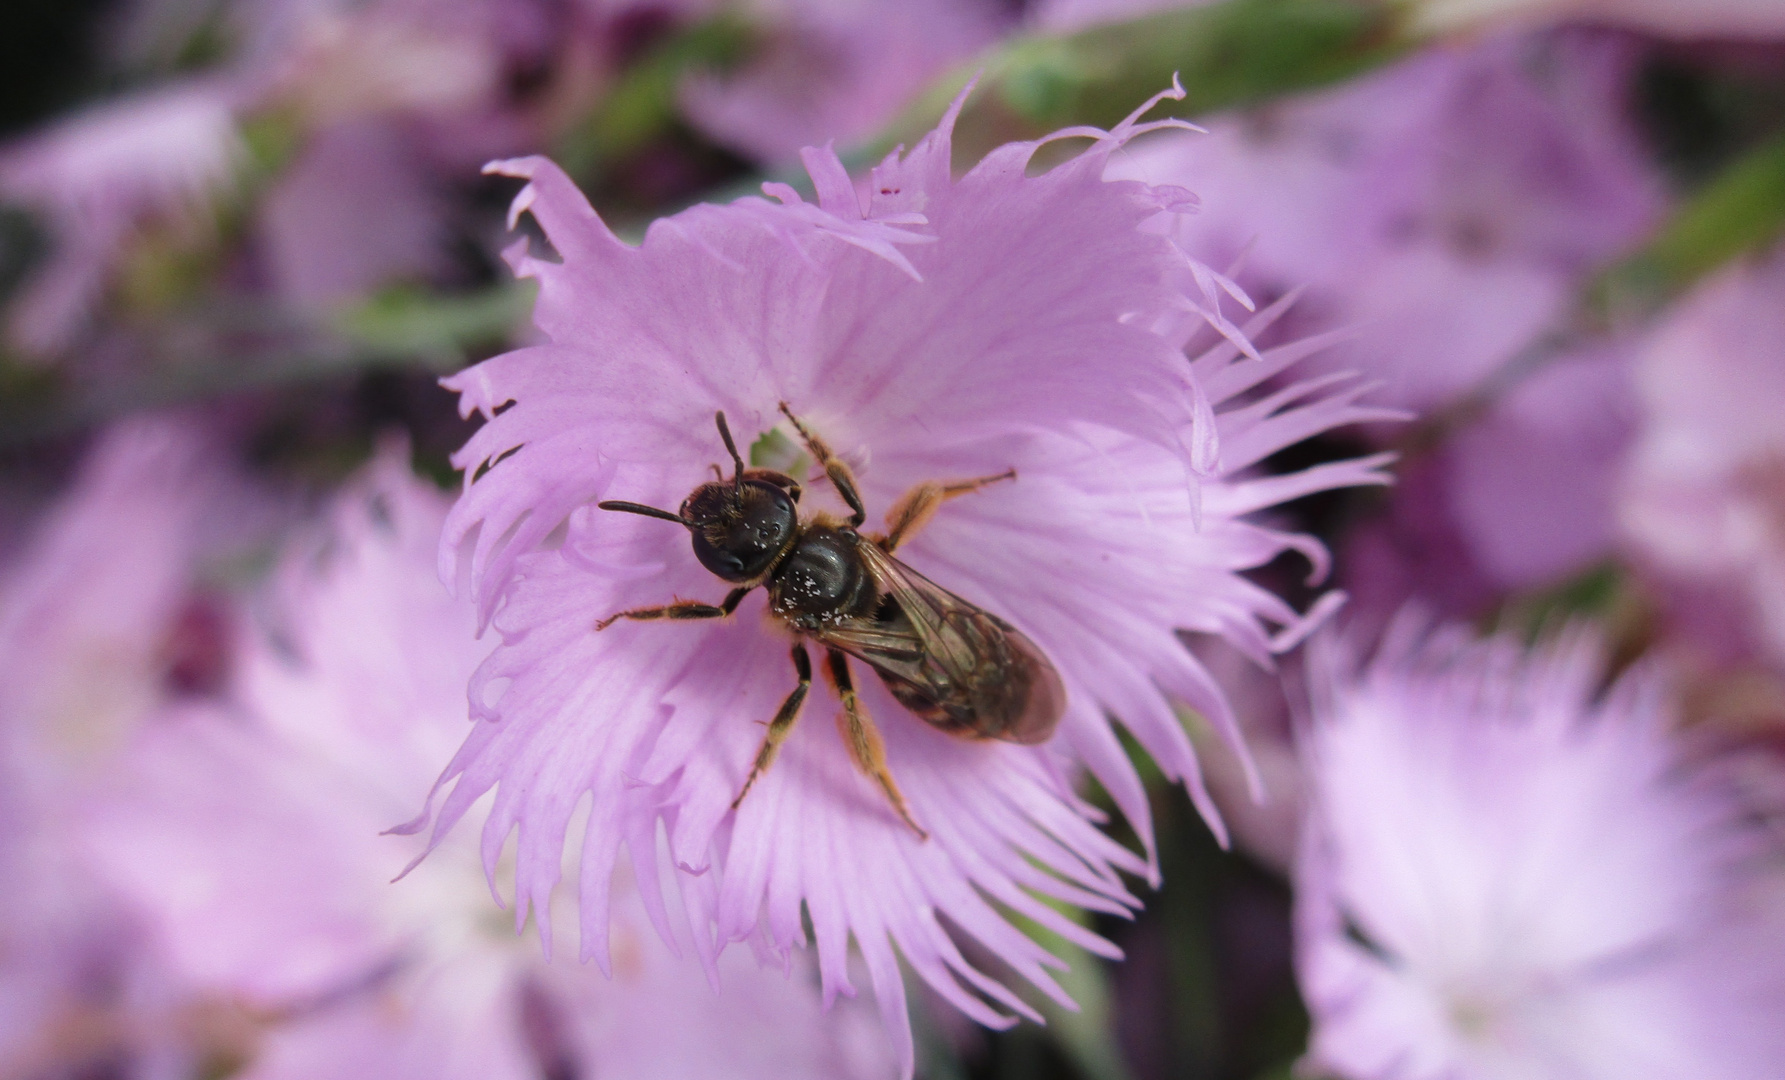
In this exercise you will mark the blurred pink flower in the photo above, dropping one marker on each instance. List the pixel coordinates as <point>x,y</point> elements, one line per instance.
<point>1446,208</point>
<point>1703,496</point>
<point>357,210</point>
<point>396,101</point>
<point>836,69</point>
<point>1447,211</point>
<point>1521,497</point>
<point>1410,548</point>
<point>929,329</point>
<point>341,60</point>
<point>1511,872</point>
<point>92,610</point>
<point>1532,482</point>
<point>247,835</point>
<point>97,176</point>
<point>100,622</point>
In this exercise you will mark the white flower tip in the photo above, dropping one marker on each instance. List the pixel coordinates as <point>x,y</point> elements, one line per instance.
<point>1316,617</point>
<point>1217,824</point>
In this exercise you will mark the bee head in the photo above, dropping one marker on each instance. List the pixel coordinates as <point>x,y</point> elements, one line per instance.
<point>739,528</point>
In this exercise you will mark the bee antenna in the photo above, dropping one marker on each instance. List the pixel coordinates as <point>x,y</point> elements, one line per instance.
<point>737,477</point>
<point>642,510</point>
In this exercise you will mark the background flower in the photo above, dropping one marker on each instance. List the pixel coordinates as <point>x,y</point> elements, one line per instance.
<point>1703,495</point>
<point>1507,873</point>
<point>835,69</point>
<point>99,176</point>
<point>108,614</point>
<point>1444,207</point>
<point>1445,211</point>
<point>247,836</point>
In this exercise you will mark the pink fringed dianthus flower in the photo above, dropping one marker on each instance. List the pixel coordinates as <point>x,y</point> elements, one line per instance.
<point>929,329</point>
<point>1511,872</point>
<point>245,835</point>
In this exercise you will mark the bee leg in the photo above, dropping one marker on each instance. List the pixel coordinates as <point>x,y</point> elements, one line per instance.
<point>916,507</point>
<point>783,722</point>
<point>863,738</point>
<point>839,473</point>
<point>681,609</point>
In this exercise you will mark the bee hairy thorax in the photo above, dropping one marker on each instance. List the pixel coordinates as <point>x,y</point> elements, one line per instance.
<point>822,580</point>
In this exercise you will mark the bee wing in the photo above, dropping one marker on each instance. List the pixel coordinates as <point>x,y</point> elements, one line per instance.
<point>959,667</point>
<point>953,643</point>
<point>908,652</point>
<point>896,653</point>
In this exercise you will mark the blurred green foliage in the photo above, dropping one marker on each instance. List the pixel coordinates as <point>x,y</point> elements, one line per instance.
<point>440,332</point>
<point>1739,211</point>
<point>1227,55</point>
<point>642,104</point>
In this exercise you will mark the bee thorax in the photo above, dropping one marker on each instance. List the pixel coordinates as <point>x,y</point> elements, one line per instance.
<point>821,580</point>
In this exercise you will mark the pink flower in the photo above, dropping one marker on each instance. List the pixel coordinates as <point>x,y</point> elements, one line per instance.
<point>929,329</point>
<point>1511,872</point>
<point>1703,495</point>
<point>1522,497</point>
<point>358,209</point>
<point>101,617</point>
<point>160,157</point>
<point>1448,210</point>
<point>91,612</point>
<point>839,70</point>
<point>247,837</point>
<point>1446,207</point>
<point>396,100</point>
<point>1532,482</point>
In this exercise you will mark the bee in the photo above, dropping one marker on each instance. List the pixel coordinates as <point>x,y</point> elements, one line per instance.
<point>959,668</point>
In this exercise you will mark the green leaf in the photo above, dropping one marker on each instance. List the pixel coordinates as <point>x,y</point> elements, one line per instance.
<point>1741,210</point>
<point>1227,54</point>
<point>1088,1035</point>
<point>409,322</point>
<point>643,105</point>
<point>208,353</point>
